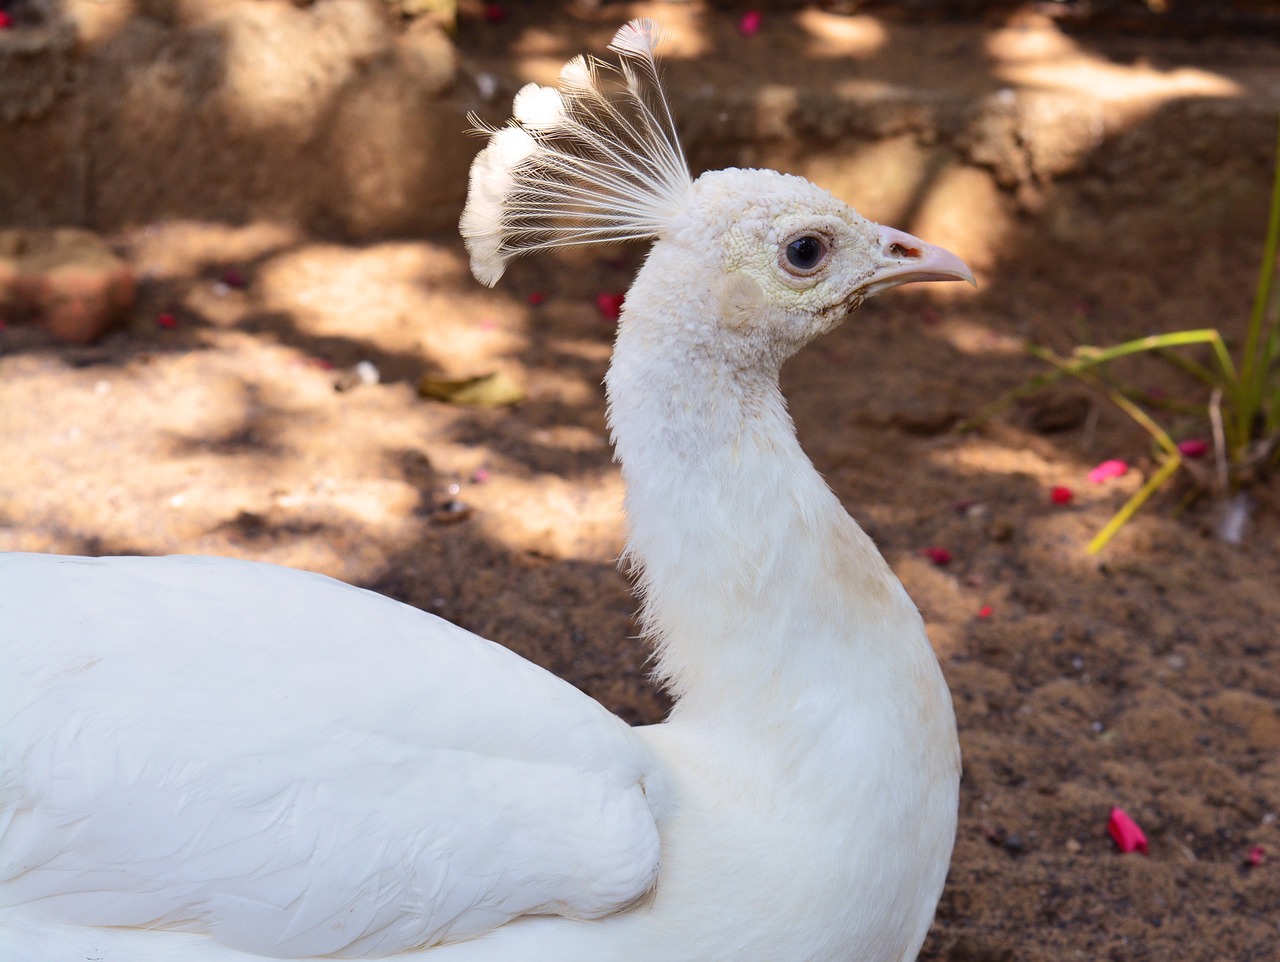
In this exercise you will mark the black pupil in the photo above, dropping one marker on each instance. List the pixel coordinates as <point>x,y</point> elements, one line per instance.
<point>804,253</point>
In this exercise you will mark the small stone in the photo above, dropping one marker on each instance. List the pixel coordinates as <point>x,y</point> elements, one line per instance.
<point>364,374</point>
<point>486,86</point>
<point>1000,531</point>
<point>451,512</point>
<point>1074,847</point>
<point>66,280</point>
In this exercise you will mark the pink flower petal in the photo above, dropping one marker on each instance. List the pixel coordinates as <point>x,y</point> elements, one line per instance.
<point>479,476</point>
<point>984,611</point>
<point>610,305</point>
<point>1108,470</point>
<point>1125,832</point>
<point>749,25</point>
<point>1256,857</point>
<point>1060,495</point>
<point>1193,448</point>
<point>937,554</point>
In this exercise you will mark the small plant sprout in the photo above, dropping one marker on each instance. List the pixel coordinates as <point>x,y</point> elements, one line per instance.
<point>1239,410</point>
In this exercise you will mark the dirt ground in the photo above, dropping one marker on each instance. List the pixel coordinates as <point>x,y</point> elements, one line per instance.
<point>1146,678</point>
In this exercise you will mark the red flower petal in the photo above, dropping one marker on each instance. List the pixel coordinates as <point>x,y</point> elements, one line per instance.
<point>233,278</point>
<point>1257,855</point>
<point>984,611</point>
<point>167,321</point>
<point>937,554</point>
<point>1108,470</point>
<point>1193,448</point>
<point>1060,495</point>
<point>536,298</point>
<point>749,25</point>
<point>1125,832</point>
<point>6,21</point>
<point>495,12</point>
<point>610,305</point>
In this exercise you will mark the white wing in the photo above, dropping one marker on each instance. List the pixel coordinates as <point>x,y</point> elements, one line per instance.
<point>295,766</point>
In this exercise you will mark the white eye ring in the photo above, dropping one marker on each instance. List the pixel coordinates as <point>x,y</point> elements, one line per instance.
<point>804,254</point>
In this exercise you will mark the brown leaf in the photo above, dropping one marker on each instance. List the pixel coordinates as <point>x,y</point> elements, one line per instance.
<point>485,391</point>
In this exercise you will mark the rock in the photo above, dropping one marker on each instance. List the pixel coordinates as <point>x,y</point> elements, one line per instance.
<point>66,280</point>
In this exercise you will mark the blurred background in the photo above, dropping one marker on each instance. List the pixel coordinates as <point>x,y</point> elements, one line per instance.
<point>236,319</point>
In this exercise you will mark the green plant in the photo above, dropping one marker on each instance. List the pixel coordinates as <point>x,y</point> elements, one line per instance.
<point>1242,410</point>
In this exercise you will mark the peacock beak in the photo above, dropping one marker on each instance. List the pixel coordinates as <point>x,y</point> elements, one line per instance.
<point>906,259</point>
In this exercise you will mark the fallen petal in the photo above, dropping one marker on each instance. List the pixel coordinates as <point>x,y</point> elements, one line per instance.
<point>1108,470</point>
<point>1193,448</point>
<point>1061,495</point>
<point>610,305</point>
<point>1257,855</point>
<point>984,611</point>
<point>1125,832</point>
<point>937,554</point>
<point>749,25</point>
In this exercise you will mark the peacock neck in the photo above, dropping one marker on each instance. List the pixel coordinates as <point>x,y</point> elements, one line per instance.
<point>757,586</point>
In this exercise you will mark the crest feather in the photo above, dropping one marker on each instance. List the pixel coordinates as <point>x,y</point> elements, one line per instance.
<point>592,160</point>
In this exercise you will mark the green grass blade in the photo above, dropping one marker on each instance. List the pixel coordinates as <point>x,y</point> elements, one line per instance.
<point>1121,517</point>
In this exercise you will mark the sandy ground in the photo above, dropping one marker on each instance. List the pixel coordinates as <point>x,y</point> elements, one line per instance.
<point>1147,678</point>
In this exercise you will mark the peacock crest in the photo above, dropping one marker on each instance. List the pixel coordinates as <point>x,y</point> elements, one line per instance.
<point>595,159</point>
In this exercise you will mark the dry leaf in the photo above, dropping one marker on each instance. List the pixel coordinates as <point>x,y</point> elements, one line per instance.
<point>486,391</point>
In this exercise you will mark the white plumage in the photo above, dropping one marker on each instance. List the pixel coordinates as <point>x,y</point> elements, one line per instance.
<point>205,760</point>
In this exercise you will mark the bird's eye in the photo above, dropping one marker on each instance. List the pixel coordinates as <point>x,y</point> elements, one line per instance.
<point>804,255</point>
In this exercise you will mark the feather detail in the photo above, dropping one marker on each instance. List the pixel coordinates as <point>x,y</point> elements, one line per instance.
<point>594,160</point>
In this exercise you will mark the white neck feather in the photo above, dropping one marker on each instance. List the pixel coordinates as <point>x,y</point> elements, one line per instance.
<point>758,587</point>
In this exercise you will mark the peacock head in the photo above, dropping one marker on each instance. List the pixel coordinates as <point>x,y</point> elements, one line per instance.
<point>795,260</point>
<point>597,159</point>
